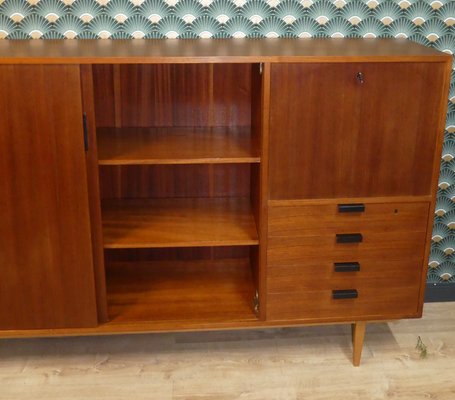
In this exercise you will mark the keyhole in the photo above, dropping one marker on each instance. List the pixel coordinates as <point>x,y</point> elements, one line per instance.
<point>360,77</point>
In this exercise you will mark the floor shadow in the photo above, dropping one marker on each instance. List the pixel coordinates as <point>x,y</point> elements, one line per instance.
<point>309,337</point>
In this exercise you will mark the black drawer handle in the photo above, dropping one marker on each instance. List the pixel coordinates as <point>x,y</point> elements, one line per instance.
<point>347,267</point>
<point>349,237</point>
<point>345,294</point>
<point>351,208</point>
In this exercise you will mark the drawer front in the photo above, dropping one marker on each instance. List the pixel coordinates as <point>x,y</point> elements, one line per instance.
<point>371,301</point>
<point>373,253</point>
<point>314,275</point>
<point>387,246</point>
<point>323,219</point>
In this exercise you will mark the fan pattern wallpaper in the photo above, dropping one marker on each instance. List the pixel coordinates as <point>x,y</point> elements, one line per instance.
<point>430,22</point>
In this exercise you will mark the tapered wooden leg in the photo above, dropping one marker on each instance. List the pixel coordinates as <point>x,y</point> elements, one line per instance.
<point>358,335</point>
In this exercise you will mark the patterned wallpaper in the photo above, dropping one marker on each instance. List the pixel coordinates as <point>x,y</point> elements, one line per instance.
<point>430,22</point>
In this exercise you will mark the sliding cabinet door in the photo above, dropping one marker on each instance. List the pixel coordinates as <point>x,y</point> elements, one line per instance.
<point>46,269</point>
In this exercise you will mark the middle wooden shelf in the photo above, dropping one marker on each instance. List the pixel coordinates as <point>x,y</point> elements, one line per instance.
<point>176,145</point>
<point>178,222</point>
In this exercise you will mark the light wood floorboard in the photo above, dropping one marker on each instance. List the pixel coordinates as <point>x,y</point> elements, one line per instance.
<point>310,363</point>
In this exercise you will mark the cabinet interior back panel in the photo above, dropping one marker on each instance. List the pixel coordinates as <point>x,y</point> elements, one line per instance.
<point>353,129</point>
<point>172,95</point>
<point>162,181</point>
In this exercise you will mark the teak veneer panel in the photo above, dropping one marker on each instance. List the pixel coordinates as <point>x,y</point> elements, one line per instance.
<point>213,51</point>
<point>291,250</point>
<point>94,192</point>
<point>189,291</point>
<point>178,145</point>
<point>46,267</point>
<point>331,136</point>
<point>163,181</point>
<point>373,302</point>
<point>185,222</point>
<point>360,139</point>
<point>319,219</point>
<point>166,95</point>
<point>319,273</point>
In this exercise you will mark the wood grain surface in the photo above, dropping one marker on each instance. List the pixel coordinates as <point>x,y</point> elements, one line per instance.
<point>165,181</point>
<point>358,336</point>
<point>360,139</point>
<point>373,302</point>
<point>260,98</point>
<point>186,292</point>
<point>333,133</point>
<point>46,268</point>
<point>318,219</point>
<point>180,145</point>
<point>312,362</point>
<point>93,186</point>
<point>142,223</point>
<point>442,108</point>
<point>213,51</point>
<point>319,273</point>
<point>154,95</point>
<point>287,250</point>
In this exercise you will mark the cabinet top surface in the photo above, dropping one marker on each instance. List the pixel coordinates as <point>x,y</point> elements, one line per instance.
<point>211,51</point>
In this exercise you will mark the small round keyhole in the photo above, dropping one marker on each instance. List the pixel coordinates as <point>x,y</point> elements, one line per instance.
<point>360,77</point>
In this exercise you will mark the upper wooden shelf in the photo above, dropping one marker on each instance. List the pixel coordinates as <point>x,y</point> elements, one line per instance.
<point>213,51</point>
<point>178,145</point>
<point>179,222</point>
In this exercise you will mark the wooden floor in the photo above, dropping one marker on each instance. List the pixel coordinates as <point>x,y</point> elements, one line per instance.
<point>311,363</point>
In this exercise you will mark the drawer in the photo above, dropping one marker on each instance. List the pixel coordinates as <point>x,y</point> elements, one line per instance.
<point>323,219</point>
<point>387,246</point>
<point>387,243</point>
<point>372,301</point>
<point>314,275</point>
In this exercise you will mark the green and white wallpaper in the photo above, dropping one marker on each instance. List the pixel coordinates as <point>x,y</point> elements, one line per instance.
<point>430,22</point>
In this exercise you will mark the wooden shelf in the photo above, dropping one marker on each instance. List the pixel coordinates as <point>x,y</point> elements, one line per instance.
<point>175,145</point>
<point>180,291</point>
<point>185,222</point>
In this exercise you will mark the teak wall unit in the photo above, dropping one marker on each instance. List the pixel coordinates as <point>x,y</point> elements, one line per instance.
<point>185,185</point>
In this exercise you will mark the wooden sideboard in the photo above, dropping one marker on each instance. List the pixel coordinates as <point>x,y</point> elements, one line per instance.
<point>153,186</point>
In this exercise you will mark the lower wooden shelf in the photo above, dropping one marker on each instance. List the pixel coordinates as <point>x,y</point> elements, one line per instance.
<point>194,291</point>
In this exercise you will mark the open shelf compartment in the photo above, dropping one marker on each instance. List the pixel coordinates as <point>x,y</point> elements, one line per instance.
<point>179,162</point>
<point>184,292</point>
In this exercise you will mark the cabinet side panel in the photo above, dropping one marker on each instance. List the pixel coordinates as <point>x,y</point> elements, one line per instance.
<point>441,112</point>
<point>46,265</point>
